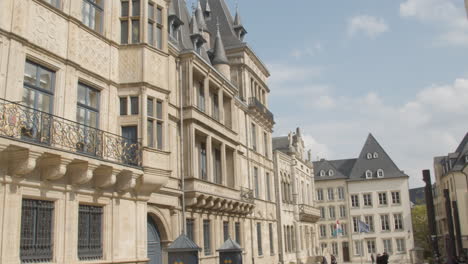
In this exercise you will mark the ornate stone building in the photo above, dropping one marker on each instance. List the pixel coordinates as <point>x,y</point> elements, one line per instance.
<point>296,213</point>
<point>94,95</point>
<point>451,174</point>
<point>370,189</point>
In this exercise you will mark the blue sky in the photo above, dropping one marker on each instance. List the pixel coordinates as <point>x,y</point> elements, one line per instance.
<point>342,69</point>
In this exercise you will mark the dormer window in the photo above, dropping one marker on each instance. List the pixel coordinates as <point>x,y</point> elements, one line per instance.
<point>331,173</point>
<point>368,174</point>
<point>376,155</point>
<point>380,173</point>
<point>369,156</point>
<point>322,173</point>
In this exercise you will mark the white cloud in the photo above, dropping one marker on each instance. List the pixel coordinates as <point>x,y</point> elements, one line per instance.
<point>308,51</point>
<point>414,131</point>
<point>281,73</point>
<point>368,25</point>
<point>448,16</point>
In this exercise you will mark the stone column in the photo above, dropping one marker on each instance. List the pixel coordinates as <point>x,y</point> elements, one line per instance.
<point>144,114</point>
<point>236,171</point>
<point>209,159</point>
<point>191,153</point>
<point>206,87</point>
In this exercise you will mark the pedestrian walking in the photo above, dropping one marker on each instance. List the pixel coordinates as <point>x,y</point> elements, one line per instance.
<point>333,260</point>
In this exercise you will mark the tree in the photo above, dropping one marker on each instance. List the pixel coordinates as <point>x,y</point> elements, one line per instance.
<point>421,229</point>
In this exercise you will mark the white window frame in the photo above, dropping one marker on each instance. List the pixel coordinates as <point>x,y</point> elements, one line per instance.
<point>368,174</point>
<point>380,173</point>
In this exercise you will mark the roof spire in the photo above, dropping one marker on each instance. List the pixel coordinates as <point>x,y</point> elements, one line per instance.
<point>237,19</point>
<point>200,18</point>
<point>194,29</point>
<point>219,54</point>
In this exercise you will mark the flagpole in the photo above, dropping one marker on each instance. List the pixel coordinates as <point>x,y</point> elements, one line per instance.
<point>362,247</point>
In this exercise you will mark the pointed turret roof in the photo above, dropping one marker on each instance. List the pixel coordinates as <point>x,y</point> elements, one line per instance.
<point>237,18</point>
<point>219,53</point>
<point>230,246</point>
<point>183,244</point>
<point>194,29</point>
<point>382,161</point>
<point>200,18</point>
<point>207,7</point>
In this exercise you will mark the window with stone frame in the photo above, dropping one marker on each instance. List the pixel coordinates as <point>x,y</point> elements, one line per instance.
<point>400,245</point>
<point>237,231</point>
<point>256,183</point>
<point>322,212</point>
<point>355,224</point>
<point>54,3</point>
<point>130,17</point>
<point>272,242</point>
<point>387,246</point>
<point>369,220</point>
<point>254,136</point>
<point>340,193</point>
<point>36,239</point>
<point>358,247</point>
<point>155,125</point>
<point>93,14</point>
<point>319,194</point>
<point>398,221</point>
<point>384,222</point>
<point>354,200</point>
<point>344,228</point>
<point>90,232</point>
<point>202,160</point>
<point>335,249</point>
<point>323,231</point>
<point>331,212</point>
<point>155,25</point>
<point>342,211</point>
<point>371,248</point>
<point>367,197</point>
<point>396,197</point>
<point>225,230</point>
<point>39,86</point>
<point>200,89</point>
<point>383,198</point>
<point>331,194</point>
<point>134,105</point>
<point>267,186</point>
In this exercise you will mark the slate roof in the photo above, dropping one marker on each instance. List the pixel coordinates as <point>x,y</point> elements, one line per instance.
<point>455,161</point>
<point>355,169</point>
<point>230,246</point>
<point>281,143</point>
<point>183,244</point>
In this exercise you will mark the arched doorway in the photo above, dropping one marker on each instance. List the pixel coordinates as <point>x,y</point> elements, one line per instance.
<point>154,246</point>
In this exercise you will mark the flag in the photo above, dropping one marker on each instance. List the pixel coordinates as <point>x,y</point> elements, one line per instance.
<point>338,230</point>
<point>363,227</point>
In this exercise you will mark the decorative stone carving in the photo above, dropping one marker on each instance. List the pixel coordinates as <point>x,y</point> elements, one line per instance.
<point>105,177</point>
<point>48,30</point>
<point>126,181</point>
<point>53,167</point>
<point>130,63</point>
<point>22,162</point>
<point>81,172</point>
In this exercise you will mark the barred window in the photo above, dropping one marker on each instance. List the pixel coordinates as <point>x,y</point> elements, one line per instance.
<point>36,243</point>
<point>225,230</point>
<point>90,232</point>
<point>237,230</point>
<point>207,237</point>
<point>130,21</point>
<point>93,14</point>
<point>272,246</point>
<point>259,239</point>
<point>190,231</point>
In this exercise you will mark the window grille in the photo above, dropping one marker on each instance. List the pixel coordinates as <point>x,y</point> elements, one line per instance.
<point>36,243</point>
<point>206,237</point>
<point>190,231</point>
<point>90,232</point>
<point>259,239</point>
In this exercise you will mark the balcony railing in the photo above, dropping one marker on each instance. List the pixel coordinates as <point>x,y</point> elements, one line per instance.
<point>308,213</point>
<point>255,103</point>
<point>26,124</point>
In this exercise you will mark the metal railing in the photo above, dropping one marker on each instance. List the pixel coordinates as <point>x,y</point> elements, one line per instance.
<point>254,102</point>
<point>26,124</point>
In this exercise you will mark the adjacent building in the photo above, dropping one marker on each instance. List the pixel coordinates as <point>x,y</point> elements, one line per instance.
<point>371,189</point>
<point>294,187</point>
<point>105,106</point>
<point>451,176</point>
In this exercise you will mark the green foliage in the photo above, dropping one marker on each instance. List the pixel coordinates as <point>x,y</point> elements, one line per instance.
<point>421,229</point>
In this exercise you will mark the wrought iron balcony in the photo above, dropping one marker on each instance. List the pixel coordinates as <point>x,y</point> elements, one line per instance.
<point>308,213</point>
<point>29,125</point>
<point>254,103</point>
